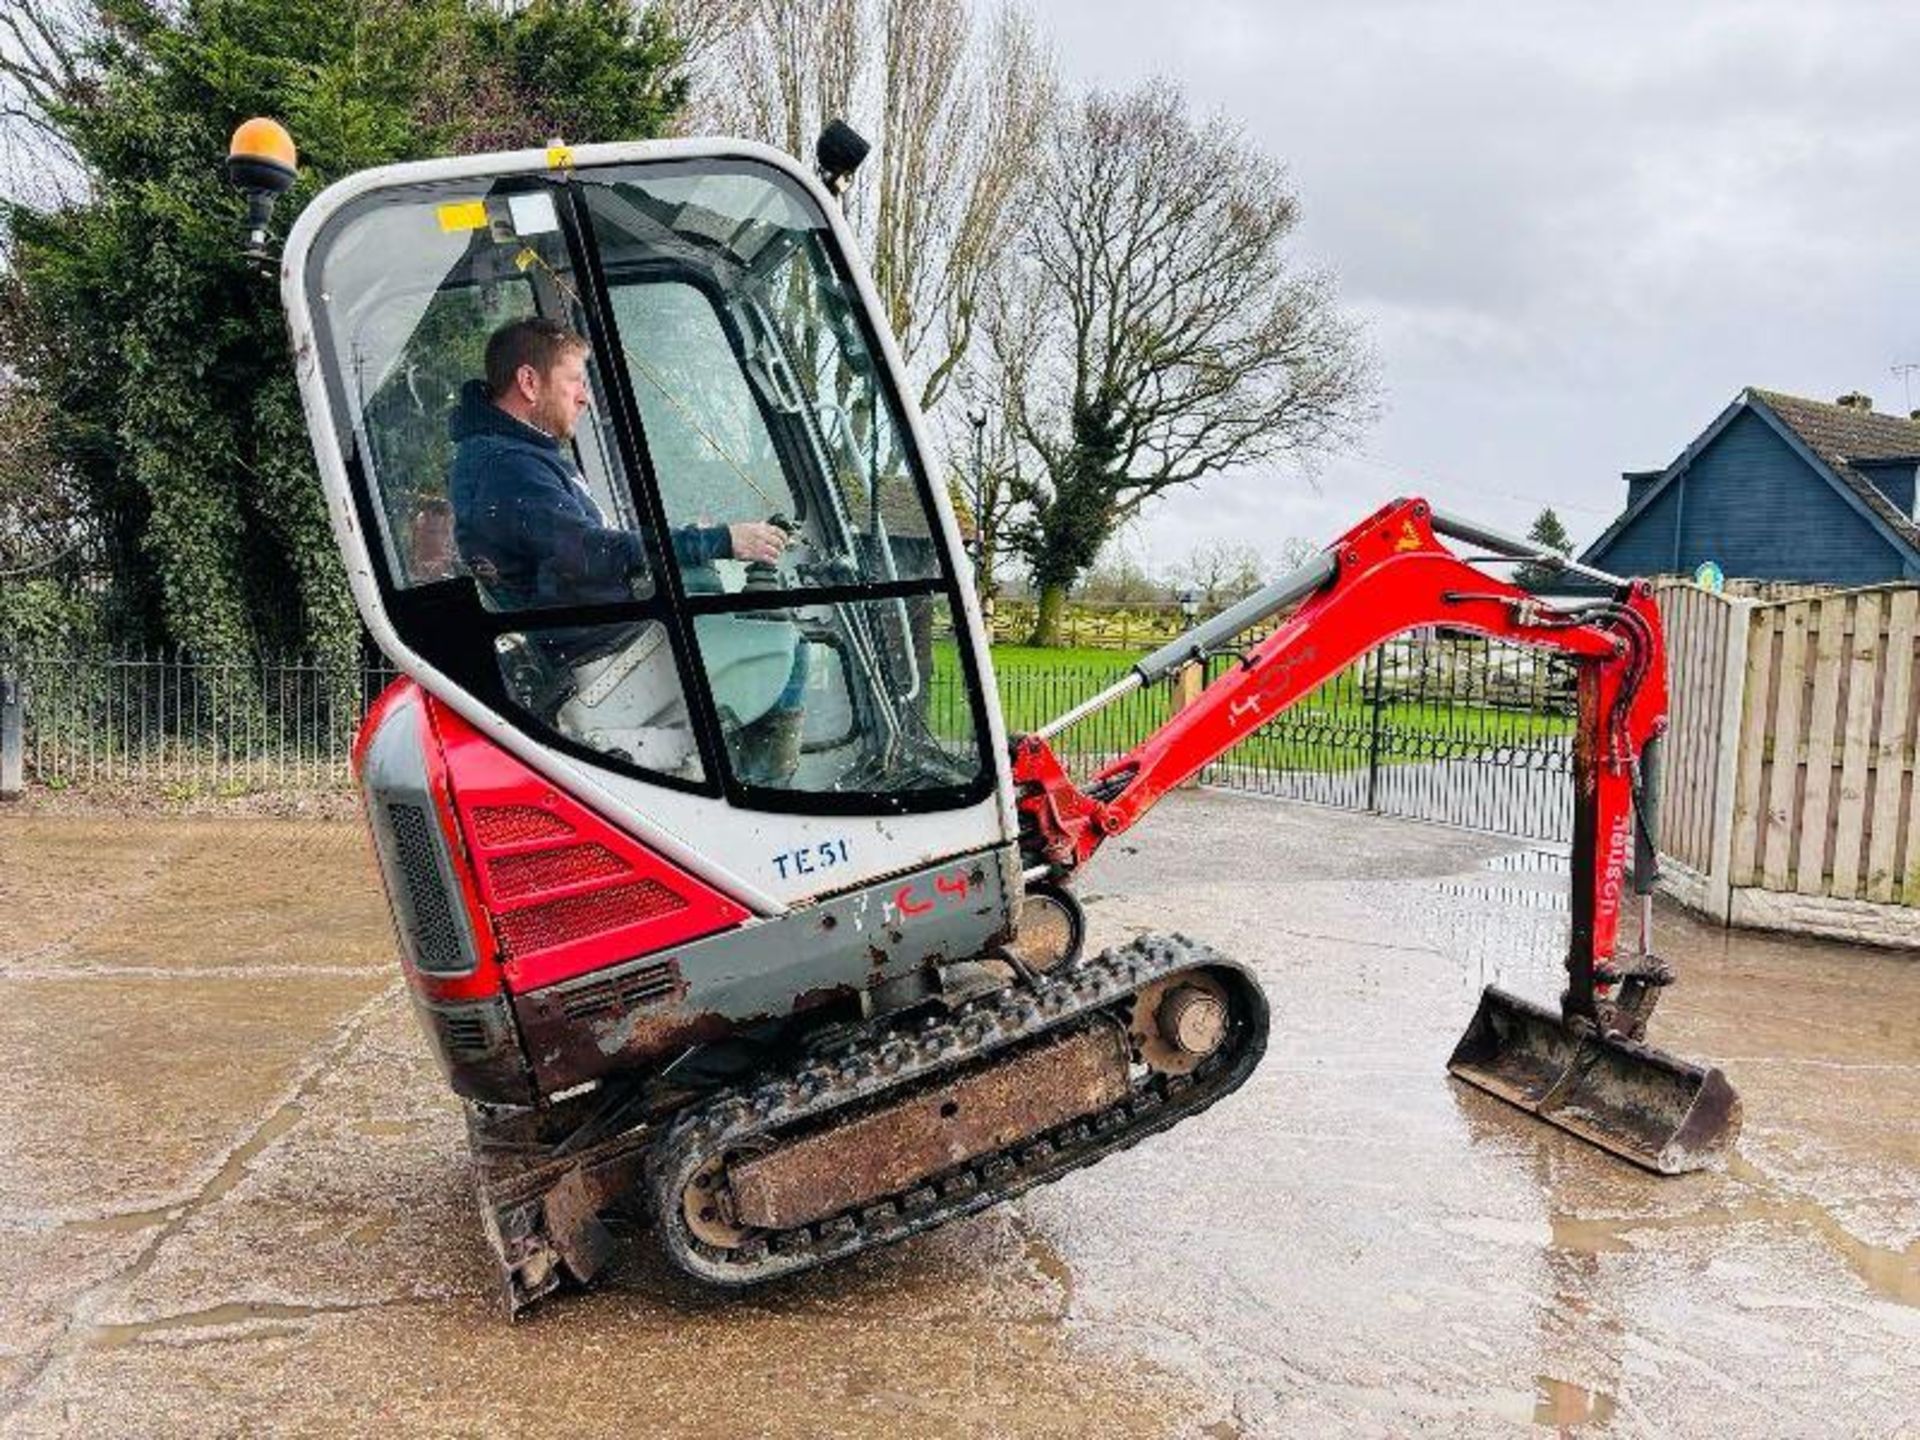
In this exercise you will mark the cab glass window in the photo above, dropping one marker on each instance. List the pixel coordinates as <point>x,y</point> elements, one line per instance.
<point>413,290</point>
<point>499,509</point>
<point>762,397</point>
<point>852,698</point>
<point>705,432</point>
<point>612,688</point>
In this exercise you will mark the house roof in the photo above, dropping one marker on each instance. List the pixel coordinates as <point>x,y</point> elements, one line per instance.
<point>1839,434</point>
<point>1830,436</point>
<point>1841,430</point>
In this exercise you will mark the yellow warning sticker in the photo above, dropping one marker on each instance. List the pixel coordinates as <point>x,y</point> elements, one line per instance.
<point>463,215</point>
<point>559,157</point>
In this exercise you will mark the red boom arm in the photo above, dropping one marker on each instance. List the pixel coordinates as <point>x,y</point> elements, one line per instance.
<point>1391,574</point>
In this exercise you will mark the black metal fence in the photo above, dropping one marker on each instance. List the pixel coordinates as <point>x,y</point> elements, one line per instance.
<point>1430,726</point>
<point>156,720</point>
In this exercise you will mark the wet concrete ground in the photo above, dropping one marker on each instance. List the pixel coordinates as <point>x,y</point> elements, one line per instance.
<point>232,1196</point>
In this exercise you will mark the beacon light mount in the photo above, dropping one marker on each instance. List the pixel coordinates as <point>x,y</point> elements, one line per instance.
<point>261,162</point>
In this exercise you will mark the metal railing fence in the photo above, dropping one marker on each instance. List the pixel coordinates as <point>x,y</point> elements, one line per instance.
<point>1454,729</point>
<point>1432,726</point>
<point>162,720</point>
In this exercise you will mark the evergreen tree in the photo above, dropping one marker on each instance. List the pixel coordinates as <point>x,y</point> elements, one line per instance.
<point>156,356</point>
<point>1549,534</point>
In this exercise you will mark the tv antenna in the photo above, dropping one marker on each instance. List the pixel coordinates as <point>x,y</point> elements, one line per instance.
<point>1906,373</point>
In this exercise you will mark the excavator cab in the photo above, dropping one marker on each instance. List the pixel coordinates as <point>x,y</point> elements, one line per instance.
<point>732,378</point>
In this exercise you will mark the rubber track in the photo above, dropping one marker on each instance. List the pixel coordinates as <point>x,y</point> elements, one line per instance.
<point>908,1058</point>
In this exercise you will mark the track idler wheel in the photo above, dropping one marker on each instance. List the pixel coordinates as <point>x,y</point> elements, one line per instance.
<point>1178,1022</point>
<point>708,1207</point>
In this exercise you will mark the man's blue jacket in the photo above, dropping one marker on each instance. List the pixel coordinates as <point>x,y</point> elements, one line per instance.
<point>526,524</point>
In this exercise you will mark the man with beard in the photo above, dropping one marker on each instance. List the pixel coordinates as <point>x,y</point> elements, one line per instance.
<point>525,522</point>
<point>531,532</point>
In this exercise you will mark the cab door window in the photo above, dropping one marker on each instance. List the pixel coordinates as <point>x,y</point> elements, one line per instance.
<point>711,450</point>
<point>491,515</point>
<point>832,672</point>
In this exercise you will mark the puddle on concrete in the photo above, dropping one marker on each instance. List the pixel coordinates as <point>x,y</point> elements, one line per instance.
<point>1554,1403</point>
<point>1894,1274</point>
<point>1581,1236</point>
<point>1523,896</point>
<point>383,1129</point>
<point>1531,862</point>
<point>1561,1402</point>
<point>214,1318</point>
<point>1891,1274</point>
<point>370,1231</point>
<point>271,1129</point>
<point>1047,1261</point>
<point>1552,868</point>
<point>127,1223</point>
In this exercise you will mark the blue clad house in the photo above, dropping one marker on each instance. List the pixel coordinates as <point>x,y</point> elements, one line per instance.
<point>1778,488</point>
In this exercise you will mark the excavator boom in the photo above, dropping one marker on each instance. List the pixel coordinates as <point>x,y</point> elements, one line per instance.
<point>1585,1068</point>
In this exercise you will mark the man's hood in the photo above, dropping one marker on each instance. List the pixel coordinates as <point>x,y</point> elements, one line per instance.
<point>476,414</point>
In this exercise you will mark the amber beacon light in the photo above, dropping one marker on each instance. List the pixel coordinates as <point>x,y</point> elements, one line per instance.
<point>260,163</point>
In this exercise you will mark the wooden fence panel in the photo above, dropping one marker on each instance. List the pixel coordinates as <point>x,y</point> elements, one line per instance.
<point>1825,668</point>
<point>1782,744</point>
<point>1861,663</point>
<point>1825,803</point>
<point>1892,749</point>
<point>1750,786</point>
<point>1698,628</point>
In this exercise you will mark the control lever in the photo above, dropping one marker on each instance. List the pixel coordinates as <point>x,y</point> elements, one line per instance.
<point>764,575</point>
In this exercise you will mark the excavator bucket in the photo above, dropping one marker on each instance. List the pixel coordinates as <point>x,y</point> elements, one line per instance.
<point>1642,1104</point>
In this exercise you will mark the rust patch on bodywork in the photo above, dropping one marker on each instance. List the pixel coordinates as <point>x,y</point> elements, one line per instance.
<point>568,1049</point>
<point>889,1149</point>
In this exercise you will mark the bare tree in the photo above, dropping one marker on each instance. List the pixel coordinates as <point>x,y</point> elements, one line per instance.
<point>770,70</point>
<point>990,464</point>
<point>1119,578</point>
<point>1221,572</point>
<point>955,109</point>
<point>1157,332</point>
<point>43,49</point>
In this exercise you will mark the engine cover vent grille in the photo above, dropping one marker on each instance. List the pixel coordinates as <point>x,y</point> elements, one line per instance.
<point>436,942</point>
<point>513,824</point>
<point>649,985</point>
<point>573,917</point>
<point>465,1036</point>
<point>529,873</point>
<point>558,892</point>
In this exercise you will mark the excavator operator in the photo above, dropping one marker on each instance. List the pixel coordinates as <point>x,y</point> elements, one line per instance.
<point>532,533</point>
<point>524,521</point>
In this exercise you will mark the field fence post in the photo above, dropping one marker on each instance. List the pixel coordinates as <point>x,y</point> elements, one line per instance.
<point>1188,681</point>
<point>13,766</point>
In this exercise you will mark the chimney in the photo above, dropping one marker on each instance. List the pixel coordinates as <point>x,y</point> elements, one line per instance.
<point>1854,400</point>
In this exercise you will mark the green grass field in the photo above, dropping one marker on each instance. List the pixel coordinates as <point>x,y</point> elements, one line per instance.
<point>1332,729</point>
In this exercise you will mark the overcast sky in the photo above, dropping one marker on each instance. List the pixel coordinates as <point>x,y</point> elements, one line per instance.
<point>1574,232</point>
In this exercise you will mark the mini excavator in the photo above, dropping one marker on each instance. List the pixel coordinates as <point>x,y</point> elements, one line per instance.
<point>722,895</point>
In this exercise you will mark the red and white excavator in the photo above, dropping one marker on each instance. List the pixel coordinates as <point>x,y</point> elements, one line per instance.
<point>722,894</point>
